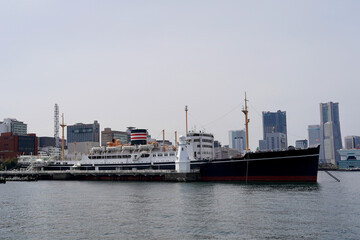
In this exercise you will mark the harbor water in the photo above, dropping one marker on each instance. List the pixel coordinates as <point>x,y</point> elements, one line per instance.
<point>158,210</point>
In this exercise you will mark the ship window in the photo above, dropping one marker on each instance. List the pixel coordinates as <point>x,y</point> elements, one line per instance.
<point>160,155</point>
<point>154,155</point>
<point>165,154</point>
<point>172,154</point>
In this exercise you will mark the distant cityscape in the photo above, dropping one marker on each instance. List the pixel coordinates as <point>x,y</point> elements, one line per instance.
<point>15,140</point>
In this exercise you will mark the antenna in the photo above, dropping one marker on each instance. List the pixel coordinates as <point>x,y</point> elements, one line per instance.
<point>56,125</point>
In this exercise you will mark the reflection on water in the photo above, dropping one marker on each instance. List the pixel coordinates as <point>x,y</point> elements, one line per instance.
<point>123,210</point>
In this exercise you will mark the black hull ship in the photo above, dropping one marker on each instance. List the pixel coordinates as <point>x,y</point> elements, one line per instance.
<point>194,153</point>
<point>282,166</point>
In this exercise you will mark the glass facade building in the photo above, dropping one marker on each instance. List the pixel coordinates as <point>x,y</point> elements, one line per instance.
<point>352,142</point>
<point>330,135</point>
<point>108,135</point>
<point>314,135</point>
<point>14,126</point>
<point>274,123</point>
<point>83,132</point>
<point>237,140</point>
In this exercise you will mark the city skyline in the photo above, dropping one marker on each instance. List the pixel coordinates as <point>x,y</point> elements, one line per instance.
<point>138,64</point>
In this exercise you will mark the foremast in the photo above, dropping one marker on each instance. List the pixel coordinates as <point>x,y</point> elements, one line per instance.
<point>247,120</point>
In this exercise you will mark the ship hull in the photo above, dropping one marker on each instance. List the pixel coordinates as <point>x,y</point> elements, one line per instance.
<point>284,166</point>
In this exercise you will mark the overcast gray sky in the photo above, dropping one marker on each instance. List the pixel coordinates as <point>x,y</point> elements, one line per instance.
<point>138,63</point>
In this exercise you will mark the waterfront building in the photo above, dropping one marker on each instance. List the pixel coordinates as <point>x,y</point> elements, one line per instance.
<point>276,141</point>
<point>12,145</point>
<point>14,126</point>
<point>225,152</point>
<point>83,132</point>
<point>330,135</point>
<point>349,159</point>
<point>48,145</point>
<point>314,135</point>
<point>274,131</point>
<point>237,140</point>
<point>46,142</point>
<point>86,136</point>
<point>352,142</point>
<point>109,135</point>
<point>301,144</point>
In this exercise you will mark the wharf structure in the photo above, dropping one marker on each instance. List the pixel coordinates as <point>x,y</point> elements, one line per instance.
<point>109,175</point>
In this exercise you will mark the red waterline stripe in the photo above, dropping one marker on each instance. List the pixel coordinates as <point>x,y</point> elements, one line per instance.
<point>262,178</point>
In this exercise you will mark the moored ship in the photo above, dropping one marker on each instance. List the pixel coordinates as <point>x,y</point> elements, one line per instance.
<point>195,153</point>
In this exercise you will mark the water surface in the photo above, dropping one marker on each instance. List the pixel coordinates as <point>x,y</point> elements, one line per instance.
<point>156,210</point>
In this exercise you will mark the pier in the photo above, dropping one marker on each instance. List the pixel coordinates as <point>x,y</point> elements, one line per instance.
<point>105,175</point>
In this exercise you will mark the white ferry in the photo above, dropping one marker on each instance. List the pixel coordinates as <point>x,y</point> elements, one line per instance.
<point>139,154</point>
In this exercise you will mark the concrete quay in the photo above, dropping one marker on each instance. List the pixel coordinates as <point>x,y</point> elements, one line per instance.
<point>108,175</point>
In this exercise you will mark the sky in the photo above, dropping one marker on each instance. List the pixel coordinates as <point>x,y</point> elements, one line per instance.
<point>138,63</point>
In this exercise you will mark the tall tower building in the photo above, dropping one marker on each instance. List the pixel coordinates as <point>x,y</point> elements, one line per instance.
<point>274,130</point>
<point>237,140</point>
<point>314,135</point>
<point>330,135</point>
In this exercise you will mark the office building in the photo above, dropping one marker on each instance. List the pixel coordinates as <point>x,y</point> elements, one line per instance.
<point>314,135</point>
<point>86,136</point>
<point>349,159</point>
<point>237,140</point>
<point>274,131</point>
<point>301,144</point>
<point>109,135</point>
<point>275,141</point>
<point>330,135</point>
<point>12,145</point>
<point>14,126</point>
<point>83,132</point>
<point>352,142</point>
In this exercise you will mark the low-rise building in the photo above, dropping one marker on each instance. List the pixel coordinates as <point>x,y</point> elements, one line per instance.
<point>301,144</point>
<point>349,159</point>
<point>14,145</point>
<point>109,135</point>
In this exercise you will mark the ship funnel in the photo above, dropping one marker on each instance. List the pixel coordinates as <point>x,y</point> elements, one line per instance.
<point>139,137</point>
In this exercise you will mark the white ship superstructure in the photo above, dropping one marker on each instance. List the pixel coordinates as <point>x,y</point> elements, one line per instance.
<point>140,154</point>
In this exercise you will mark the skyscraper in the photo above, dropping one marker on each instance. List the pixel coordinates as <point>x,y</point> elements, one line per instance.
<point>330,135</point>
<point>314,135</point>
<point>274,131</point>
<point>237,140</point>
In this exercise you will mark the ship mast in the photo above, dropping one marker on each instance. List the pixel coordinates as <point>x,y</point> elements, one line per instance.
<point>63,126</point>
<point>186,110</point>
<point>247,120</point>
